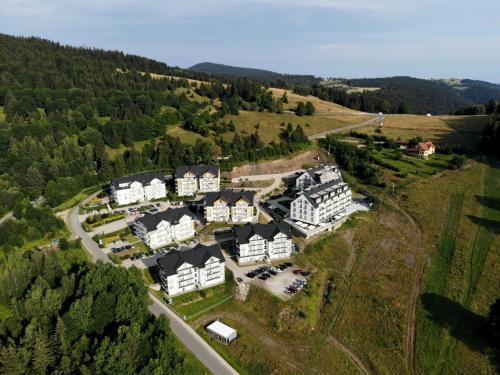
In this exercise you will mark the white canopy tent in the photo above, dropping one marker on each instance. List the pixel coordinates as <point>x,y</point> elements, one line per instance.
<point>222,332</point>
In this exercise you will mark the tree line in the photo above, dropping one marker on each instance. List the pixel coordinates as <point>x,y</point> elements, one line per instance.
<point>71,317</point>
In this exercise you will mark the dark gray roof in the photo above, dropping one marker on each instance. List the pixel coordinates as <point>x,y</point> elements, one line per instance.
<point>197,170</point>
<point>171,215</point>
<point>313,171</point>
<point>267,231</point>
<point>143,178</point>
<point>321,189</point>
<point>197,256</point>
<point>230,196</point>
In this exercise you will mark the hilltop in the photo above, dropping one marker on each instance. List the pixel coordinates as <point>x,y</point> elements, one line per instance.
<point>259,75</point>
<point>388,94</point>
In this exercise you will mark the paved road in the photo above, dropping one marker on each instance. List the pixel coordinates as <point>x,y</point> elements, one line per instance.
<point>372,121</point>
<point>188,336</point>
<point>9,215</point>
<point>204,352</point>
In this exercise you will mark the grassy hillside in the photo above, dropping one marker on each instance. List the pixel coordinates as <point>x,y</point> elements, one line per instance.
<point>320,105</point>
<point>455,130</point>
<point>271,125</point>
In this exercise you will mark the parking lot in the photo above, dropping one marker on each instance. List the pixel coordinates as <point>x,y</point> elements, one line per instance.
<point>284,284</point>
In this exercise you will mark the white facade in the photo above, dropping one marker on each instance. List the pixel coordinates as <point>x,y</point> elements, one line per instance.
<point>259,242</point>
<point>322,205</point>
<point>241,212</point>
<point>165,232</point>
<point>196,179</point>
<point>131,192</point>
<point>189,277</point>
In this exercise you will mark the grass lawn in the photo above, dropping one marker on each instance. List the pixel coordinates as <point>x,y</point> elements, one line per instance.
<point>73,201</point>
<point>191,304</point>
<point>412,165</point>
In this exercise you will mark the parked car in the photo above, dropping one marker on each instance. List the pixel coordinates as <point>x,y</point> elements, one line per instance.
<point>239,279</point>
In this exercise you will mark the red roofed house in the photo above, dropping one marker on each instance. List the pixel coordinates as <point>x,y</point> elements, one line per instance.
<point>423,149</point>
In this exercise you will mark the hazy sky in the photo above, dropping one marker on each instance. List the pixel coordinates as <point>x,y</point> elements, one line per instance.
<point>339,38</point>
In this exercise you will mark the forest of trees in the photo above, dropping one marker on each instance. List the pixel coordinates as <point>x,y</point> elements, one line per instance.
<point>490,140</point>
<point>65,107</point>
<point>396,95</point>
<point>80,318</point>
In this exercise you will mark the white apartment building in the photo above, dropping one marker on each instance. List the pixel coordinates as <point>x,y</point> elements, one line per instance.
<point>317,175</point>
<point>138,188</point>
<point>181,271</point>
<point>190,180</point>
<point>259,242</point>
<point>230,206</point>
<point>320,203</point>
<point>163,228</point>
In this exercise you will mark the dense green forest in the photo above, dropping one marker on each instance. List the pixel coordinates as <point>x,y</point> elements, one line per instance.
<point>64,108</point>
<point>265,77</point>
<point>70,317</point>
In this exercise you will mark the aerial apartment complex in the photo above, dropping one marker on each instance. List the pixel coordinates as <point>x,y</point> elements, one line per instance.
<point>190,180</point>
<point>260,242</point>
<point>138,188</point>
<point>163,228</point>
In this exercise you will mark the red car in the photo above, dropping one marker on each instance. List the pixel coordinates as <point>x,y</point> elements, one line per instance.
<point>297,272</point>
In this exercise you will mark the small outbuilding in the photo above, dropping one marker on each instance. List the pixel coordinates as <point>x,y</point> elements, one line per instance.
<point>221,332</point>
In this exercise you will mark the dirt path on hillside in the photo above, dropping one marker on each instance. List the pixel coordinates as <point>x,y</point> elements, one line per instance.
<point>361,367</point>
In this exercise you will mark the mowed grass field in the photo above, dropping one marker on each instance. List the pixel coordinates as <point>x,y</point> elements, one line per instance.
<point>457,130</point>
<point>460,218</point>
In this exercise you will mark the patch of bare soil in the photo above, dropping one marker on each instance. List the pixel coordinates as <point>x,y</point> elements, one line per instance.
<point>280,165</point>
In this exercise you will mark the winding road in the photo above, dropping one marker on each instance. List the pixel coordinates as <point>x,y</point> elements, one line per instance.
<point>187,335</point>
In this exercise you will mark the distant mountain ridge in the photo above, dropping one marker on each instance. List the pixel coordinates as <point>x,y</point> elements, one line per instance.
<point>258,75</point>
<point>439,96</point>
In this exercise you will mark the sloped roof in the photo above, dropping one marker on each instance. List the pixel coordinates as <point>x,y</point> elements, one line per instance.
<point>171,215</point>
<point>425,146</point>
<point>267,231</point>
<point>319,190</point>
<point>196,256</point>
<point>143,178</point>
<point>229,196</point>
<point>197,170</point>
